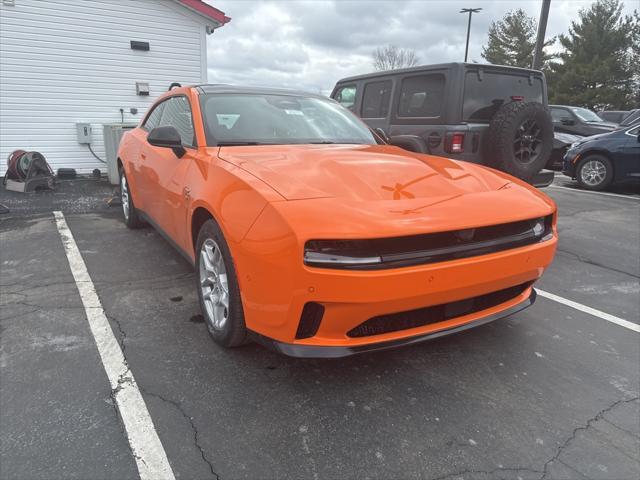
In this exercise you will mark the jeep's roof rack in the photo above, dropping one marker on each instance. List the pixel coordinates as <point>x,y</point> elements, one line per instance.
<point>174,85</point>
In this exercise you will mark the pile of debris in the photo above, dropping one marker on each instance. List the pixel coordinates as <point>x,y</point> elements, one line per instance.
<point>27,172</point>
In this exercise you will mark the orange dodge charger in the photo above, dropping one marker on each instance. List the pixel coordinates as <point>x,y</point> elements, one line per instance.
<point>312,236</point>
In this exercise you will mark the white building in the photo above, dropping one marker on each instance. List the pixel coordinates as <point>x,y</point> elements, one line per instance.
<point>69,61</point>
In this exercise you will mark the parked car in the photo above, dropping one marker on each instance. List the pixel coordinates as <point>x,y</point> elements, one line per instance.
<point>313,238</point>
<point>632,118</point>
<point>561,144</point>
<point>463,111</point>
<point>598,161</point>
<point>578,121</point>
<point>613,116</point>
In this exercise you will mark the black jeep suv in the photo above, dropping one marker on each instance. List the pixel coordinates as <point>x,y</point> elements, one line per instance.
<point>488,114</point>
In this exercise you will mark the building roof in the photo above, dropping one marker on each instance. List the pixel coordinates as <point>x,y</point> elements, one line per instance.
<point>205,10</point>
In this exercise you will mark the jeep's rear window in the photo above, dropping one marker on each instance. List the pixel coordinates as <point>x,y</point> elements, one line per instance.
<point>485,94</point>
<point>421,96</point>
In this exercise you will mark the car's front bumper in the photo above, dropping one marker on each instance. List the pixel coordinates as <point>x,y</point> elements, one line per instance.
<point>570,161</point>
<point>313,351</point>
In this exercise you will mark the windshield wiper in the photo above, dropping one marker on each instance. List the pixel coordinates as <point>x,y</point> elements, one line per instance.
<point>237,144</point>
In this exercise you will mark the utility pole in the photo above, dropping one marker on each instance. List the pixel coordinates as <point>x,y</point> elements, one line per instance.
<point>542,28</point>
<point>470,11</point>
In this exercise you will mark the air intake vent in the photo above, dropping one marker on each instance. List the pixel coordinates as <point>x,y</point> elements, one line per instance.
<point>437,313</point>
<point>310,320</point>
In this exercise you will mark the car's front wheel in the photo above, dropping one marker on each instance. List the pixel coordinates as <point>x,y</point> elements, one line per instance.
<point>129,211</point>
<point>218,289</point>
<point>594,172</point>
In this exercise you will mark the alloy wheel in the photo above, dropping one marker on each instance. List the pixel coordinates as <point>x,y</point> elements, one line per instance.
<point>124,196</point>
<point>213,284</point>
<point>528,142</point>
<point>593,173</point>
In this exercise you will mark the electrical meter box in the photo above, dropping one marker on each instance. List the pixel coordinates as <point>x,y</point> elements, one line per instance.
<point>83,131</point>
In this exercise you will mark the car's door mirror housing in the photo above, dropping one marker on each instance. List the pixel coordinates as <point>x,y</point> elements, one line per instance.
<point>382,134</point>
<point>567,121</point>
<point>167,137</point>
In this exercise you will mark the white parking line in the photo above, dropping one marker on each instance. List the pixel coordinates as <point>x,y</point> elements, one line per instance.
<point>591,311</point>
<point>608,194</point>
<point>147,449</point>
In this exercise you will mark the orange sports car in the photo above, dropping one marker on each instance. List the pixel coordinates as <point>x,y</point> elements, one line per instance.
<point>312,236</point>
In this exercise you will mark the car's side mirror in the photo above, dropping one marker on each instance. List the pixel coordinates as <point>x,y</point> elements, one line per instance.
<point>382,134</point>
<point>167,137</point>
<point>567,121</point>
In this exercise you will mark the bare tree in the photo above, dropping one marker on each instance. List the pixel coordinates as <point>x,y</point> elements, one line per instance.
<point>392,57</point>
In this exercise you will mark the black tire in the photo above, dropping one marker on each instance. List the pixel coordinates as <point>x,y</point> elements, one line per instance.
<point>129,211</point>
<point>520,139</point>
<point>233,331</point>
<point>594,172</point>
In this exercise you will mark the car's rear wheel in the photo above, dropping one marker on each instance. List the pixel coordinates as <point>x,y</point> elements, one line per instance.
<point>218,289</point>
<point>594,172</point>
<point>129,211</point>
<point>520,139</point>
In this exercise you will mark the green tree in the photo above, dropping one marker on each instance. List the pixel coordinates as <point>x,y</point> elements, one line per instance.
<point>599,62</point>
<point>512,41</point>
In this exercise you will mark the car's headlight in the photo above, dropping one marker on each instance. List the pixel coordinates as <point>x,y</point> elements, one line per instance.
<point>336,252</point>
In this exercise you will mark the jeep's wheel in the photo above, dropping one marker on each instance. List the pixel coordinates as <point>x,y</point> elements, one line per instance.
<point>594,172</point>
<point>520,139</point>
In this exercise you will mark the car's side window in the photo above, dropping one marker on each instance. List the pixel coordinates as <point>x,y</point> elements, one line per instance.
<point>375,103</point>
<point>153,119</point>
<point>559,114</point>
<point>346,96</point>
<point>634,131</point>
<point>421,96</point>
<point>177,113</point>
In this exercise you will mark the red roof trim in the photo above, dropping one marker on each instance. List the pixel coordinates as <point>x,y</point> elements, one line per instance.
<point>206,10</point>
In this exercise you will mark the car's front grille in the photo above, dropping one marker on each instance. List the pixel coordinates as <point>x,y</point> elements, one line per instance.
<point>394,322</point>
<point>381,253</point>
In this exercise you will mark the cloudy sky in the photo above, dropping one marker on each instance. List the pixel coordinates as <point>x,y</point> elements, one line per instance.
<point>311,44</point>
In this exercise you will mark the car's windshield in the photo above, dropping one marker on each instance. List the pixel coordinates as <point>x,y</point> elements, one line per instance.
<point>586,115</point>
<point>250,119</point>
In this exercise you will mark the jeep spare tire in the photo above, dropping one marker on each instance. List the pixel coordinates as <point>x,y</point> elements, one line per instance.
<point>520,139</point>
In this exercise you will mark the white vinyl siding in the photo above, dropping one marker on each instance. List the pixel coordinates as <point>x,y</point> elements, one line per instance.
<point>68,61</point>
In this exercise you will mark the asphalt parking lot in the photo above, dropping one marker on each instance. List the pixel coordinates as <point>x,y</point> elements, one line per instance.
<point>549,393</point>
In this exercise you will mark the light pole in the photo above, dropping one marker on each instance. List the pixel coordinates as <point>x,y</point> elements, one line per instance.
<point>470,11</point>
<point>542,28</point>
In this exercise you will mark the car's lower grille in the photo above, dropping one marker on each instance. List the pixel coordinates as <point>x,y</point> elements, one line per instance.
<point>381,253</point>
<point>434,314</point>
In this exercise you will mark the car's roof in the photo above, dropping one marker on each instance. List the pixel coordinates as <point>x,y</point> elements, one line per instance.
<point>568,106</point>
<point>437,66</point>
<point>216,88</point>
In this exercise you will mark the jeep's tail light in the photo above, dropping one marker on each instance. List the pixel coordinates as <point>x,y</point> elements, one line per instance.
<point>517,98</point>
<point>455,143</point>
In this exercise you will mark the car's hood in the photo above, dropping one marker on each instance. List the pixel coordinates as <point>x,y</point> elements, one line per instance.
<point>360,172</point>
<point>604,126</point>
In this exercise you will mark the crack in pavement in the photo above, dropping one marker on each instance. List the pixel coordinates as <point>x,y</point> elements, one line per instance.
<point>556,457</point>
<point>588,261</point>
<point>584,427</point>
<point>127,378</point>
<point>98,283</point>
<point>178,406</point>
<point>486,472</point>
<point>123,335</point>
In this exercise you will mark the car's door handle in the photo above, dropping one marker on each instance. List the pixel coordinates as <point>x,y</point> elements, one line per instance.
<point>186,191</point>
<point>143,156</point>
